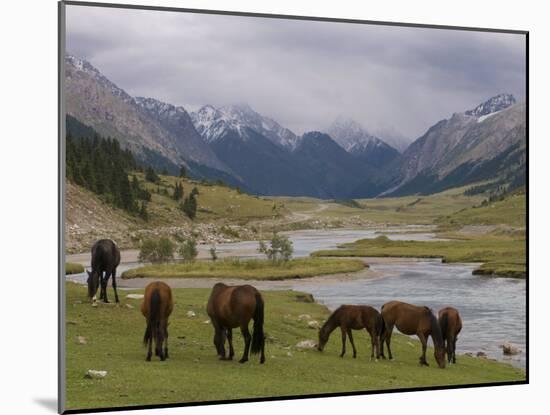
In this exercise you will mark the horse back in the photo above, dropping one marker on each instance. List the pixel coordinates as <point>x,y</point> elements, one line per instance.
<point>105,255</point>
<point>166,300</point>
<point>453,320</point>
<point>408,318</point>
<point>232,305</point>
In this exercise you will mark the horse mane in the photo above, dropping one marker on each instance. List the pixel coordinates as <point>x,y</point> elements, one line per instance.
<point>330,321</point>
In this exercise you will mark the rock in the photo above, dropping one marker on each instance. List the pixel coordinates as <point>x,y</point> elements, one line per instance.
<point>72,322</point>
<point>81,340</point>
<point>509,349</point>
<point>135,296</point>
<point>469,354</point>
<point>289,354</point>
<point>313,324</point>
<point>482,355</point>
<point>190,313</point>
<point>206,322</point>
<point>410,344</point>
<point>306,344</point>
<point>94,304</point>
<point>304,317</point>
<point>129,305</point>
<point>305,298</point>
<point>95,374</point>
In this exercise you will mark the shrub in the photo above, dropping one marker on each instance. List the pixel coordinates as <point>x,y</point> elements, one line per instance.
<point>188,250</point>
<point>213,253</point>
<point>156,250</point>
<point>280,248</point>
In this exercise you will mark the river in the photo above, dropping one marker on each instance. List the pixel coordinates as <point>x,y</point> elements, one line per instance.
<point>493,309</point>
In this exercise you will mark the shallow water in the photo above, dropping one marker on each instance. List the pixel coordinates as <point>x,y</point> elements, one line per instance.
<point>492,309</point>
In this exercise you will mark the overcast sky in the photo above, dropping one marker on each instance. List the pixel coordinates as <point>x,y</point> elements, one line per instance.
<point>302,74</point>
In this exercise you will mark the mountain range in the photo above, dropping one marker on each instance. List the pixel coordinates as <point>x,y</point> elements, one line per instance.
<point>244,148</point>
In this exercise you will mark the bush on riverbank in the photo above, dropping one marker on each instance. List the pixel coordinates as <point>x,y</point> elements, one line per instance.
<point>249,269</point>
<point>73,268</point>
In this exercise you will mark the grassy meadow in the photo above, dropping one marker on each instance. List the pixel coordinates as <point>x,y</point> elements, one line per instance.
<point>109,337</point>
<point>248,269</point>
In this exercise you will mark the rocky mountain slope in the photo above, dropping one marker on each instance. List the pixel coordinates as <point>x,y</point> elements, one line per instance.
<point>157,133</point>
<point>469,146</point>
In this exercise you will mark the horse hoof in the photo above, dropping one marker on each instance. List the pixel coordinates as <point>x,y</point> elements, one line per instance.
<point>262,361</point>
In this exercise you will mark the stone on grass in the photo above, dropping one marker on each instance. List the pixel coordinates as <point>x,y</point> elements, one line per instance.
<point>306,344</point>
<point>483,355</point>
<point>313,324</point>
<point>304,317</point>
<point>81,340</point>
<point>135,296</point>
<point>95,374</point>
<point>305,298</point>
<point>129,305</point>
<point>190,313</point>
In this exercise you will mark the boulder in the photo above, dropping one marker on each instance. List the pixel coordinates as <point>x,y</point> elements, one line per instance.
<point>313,324</point>
<point>95,374</point>
<point>306,344</point>
<point>509,349</point>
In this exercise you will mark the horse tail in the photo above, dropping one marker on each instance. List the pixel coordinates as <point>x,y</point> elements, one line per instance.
<point>154,317</point>
<point>258,331</point>
<point>444,325</point>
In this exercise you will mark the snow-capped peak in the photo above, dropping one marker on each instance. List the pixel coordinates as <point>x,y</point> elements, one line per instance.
<point>212,122</point>
<point>492,105</point>
<point>351,135</point>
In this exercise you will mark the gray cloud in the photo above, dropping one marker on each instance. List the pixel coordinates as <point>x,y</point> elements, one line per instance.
<point>304,74</point>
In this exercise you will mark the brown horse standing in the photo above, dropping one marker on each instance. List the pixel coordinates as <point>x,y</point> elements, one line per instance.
<point>451,324</point>
<point>352,317</point>
<point>156,307</point>
<point>234,306</point>
<point>410,319</point>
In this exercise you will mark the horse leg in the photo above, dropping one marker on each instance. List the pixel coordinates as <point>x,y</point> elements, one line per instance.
<point>449,348</point>
<point>230,341</point>
<point>424,342</point>
<point>102,289</point>
<point>352,343</point>
<point>104,286</point>
<point>388,340</point>
<point>114,285</point>
<point>373,344</point>
<point>149,344</point>
<point>247,340</point>
<point>218,336</point>
<point>454,350</point>
<point>343,342</point>
<point>165,339</point>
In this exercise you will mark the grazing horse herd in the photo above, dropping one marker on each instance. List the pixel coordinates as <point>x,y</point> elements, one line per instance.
<point>232,307</point>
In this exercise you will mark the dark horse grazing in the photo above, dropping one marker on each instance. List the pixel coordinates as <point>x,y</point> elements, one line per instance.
<point>105,259</point>
<point>156,308</point>
<point>410,319</point>
<point>234,306</point>
<point>352,317</point>
<point>451,324</point>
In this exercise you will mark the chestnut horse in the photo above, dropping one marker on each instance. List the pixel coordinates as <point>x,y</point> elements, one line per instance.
<point>410,319</point>
<point>105,259</point>
<point>352,317</point>
<point>234,306</point>
<point>156,307</point>
<point>451,324</point>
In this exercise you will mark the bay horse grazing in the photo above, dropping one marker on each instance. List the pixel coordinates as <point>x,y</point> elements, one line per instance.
<point>451,324</point>
<point>352,317</point>
<point>156,307</point>
<point>410,319</point>
<point>230,307</point>
<point>105,260</point>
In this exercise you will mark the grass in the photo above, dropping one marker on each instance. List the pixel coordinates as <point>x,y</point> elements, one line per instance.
<point>113,336</point>
<point>500,255</point>
<point>72,268</point>
<point>511,211</point>
<point>248,269</point>
<point>418,210</point>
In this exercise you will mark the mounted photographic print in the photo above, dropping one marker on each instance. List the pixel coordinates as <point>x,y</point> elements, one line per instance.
<point>260,207</point>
